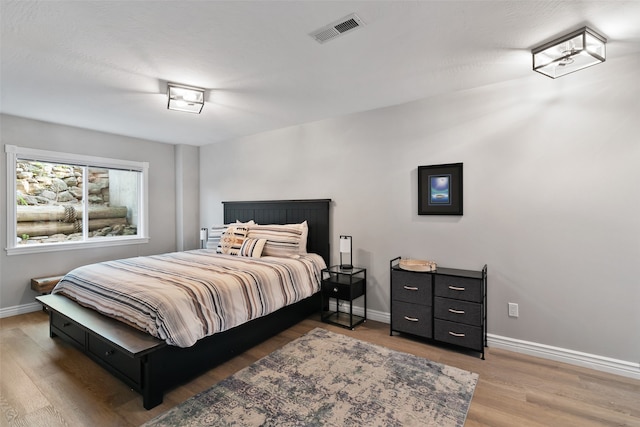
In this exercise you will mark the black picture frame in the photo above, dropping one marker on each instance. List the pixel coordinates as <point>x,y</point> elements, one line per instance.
<point>440,189</point>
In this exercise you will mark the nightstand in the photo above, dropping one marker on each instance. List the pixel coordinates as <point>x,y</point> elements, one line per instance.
<point>343,285</point>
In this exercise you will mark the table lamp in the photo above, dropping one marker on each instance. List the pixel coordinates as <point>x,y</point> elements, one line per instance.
<point>346,245</point>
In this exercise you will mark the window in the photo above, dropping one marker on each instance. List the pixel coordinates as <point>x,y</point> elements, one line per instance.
<point>60,201</point>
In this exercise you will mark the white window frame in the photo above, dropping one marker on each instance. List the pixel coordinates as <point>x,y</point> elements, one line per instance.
<point>14,153</point>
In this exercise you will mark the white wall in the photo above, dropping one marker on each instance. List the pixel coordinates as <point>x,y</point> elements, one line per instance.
<point>551,196</point>
<point>17,270</point>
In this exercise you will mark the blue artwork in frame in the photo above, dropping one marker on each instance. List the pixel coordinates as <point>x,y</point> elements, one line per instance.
<point>440,189</point>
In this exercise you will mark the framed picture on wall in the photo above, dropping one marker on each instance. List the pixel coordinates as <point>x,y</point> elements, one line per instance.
<point>440,189</point>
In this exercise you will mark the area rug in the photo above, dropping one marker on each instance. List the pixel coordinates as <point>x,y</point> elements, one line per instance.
<point>328,379</point>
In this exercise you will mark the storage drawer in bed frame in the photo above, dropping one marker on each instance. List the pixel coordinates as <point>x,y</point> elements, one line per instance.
<point>63,327</point>
<point>128,368</point>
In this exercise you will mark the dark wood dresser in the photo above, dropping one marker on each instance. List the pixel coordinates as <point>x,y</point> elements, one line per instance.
<point>447,305</point>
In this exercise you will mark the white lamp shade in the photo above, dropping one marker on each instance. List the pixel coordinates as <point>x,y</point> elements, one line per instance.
<point>345,245</point>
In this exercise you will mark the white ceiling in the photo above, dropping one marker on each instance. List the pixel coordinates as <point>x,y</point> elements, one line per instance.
<point>104,65</point>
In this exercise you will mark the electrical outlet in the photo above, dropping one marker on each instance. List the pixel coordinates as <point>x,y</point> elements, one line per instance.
<point>513,309</point>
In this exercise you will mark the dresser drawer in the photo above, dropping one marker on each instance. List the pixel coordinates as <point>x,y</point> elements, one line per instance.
<point>412,318</point>
<point>342,291</point>
<point>458,311</point>
<point>116,359</point>
<point>411,287</point>
<point>459,334</point>
<point>71,330</point>
<point>462,288</point>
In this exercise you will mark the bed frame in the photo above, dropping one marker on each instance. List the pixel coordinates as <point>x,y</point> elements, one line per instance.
<point>149,365</point>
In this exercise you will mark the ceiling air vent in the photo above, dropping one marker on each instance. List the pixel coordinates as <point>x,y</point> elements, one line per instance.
<point>338,28</point>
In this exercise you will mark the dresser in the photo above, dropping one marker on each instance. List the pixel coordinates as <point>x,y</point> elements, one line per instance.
<point>444,306</point>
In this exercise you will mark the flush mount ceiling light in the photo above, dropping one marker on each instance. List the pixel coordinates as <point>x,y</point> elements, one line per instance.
<point>572,52</point>
<point>185,98</point>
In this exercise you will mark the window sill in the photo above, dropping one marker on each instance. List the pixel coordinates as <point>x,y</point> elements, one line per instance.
<point>66,246</point>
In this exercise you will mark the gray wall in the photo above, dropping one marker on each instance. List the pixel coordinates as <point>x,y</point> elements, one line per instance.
<point>187,197</point>
<point>551,196</point>
<point>16,270</point>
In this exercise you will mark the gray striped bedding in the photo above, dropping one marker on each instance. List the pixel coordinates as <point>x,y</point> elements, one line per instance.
<point>182,297</point>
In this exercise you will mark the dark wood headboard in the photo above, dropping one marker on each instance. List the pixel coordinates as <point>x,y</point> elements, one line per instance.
<point>315,212</point>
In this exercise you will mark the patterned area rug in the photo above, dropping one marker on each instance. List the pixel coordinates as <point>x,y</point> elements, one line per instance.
<point>328,379</point>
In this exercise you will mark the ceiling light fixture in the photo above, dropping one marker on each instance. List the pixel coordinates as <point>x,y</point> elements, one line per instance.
<point>185,98</point>
<point>572,52</point>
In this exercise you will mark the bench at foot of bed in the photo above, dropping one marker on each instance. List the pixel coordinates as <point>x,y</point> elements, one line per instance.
<point>124,351</point>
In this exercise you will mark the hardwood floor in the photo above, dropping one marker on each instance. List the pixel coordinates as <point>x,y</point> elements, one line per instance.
<point>38,386</point>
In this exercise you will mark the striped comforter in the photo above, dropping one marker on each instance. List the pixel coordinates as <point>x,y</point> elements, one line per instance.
<point>181,297</point>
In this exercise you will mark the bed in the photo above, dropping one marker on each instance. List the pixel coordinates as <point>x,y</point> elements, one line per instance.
<point>150,364</point>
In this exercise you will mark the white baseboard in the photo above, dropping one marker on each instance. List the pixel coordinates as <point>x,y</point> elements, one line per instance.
<point>20,309</point>
<point>592,361</point>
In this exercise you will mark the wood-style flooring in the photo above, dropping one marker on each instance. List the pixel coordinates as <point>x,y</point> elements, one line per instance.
<point>44,382</point>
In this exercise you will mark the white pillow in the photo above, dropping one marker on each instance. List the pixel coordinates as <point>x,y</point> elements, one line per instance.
<point>304,237</point>
<point>282,239</point>
<point>215,233</point>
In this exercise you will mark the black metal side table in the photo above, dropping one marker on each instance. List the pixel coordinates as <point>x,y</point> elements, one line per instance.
<point>346,285</point>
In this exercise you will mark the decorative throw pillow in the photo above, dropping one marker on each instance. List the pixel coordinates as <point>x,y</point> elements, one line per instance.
<point>216,231</point>
<point>231,240</point>
<point>252,247</point>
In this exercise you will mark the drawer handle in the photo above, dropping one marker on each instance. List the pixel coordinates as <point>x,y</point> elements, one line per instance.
<point>65,324</point>
<point>109,352</point>
<point>456,334</point>
<point>410,288</point>
<point>335,289</point>
<point>451,310</point>
<point>411,319</point>
<point>456,288</point>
